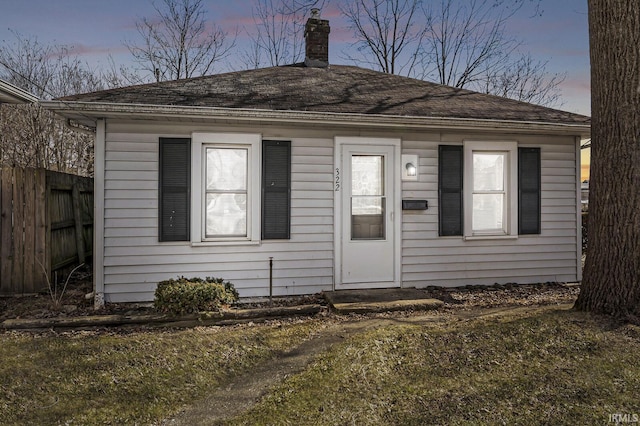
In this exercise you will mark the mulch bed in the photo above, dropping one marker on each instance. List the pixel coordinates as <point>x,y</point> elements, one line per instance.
<point>78,301</point>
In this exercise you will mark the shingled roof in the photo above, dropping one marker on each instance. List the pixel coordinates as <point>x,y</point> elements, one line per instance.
<point>335,89</point>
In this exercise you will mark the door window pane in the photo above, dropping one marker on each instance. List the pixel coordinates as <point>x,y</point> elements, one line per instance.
<point>367,218</point>
<point>367,175</point>
<point>367,197</point>
<point>366,205</point>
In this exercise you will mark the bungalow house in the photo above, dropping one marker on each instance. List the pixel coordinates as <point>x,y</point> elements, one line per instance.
<point>318,177</point>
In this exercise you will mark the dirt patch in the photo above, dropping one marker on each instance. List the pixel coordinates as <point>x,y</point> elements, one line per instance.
<point>72,300</point>
<point>77,301</point>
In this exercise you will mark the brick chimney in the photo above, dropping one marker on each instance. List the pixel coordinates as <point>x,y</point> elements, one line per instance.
<point>316,37</point>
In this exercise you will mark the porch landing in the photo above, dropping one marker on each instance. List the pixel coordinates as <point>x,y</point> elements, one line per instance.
<point>381,300</point>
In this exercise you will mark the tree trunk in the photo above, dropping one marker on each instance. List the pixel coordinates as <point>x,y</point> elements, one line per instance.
<point>611,283</point>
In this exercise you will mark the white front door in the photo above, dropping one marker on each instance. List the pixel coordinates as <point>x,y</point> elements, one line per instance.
<point>367,213</point>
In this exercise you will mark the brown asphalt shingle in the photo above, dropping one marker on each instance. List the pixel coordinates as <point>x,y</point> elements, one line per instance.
<point>336,89</point>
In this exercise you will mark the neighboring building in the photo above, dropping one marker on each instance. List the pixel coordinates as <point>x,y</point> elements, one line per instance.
<point>342,176</point>
<point>584,195</point>
<point>10,94</point>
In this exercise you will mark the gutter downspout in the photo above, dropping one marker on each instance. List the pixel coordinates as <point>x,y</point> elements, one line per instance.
<point>98,213</point>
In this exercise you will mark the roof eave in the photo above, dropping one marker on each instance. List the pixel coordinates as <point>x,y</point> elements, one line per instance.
<point>88,113</point>
<point>14,95</point>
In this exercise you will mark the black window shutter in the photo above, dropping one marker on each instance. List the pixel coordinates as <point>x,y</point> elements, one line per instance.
<point>174,189</point>
<point>450,169</point>
<point>276,189</point>
<point>529,191</point>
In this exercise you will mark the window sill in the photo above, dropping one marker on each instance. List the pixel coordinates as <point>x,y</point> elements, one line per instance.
<point>490,237</point>
<point>224,243</point>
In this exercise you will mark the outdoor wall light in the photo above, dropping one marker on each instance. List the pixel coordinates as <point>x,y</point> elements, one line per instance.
<point>409,167</point>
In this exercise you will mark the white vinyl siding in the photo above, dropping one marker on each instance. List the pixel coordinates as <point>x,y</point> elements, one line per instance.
<point>135,261</point>
<point>428,259</point>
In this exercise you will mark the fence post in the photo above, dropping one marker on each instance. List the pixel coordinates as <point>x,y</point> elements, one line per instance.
<point>17,275</point>
<point>6,178</point>
<point>29,231</point>
<point>42,271</point>
<point>78,219</point>
<point>47,221</point>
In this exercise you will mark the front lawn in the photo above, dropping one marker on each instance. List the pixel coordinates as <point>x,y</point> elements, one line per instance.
<point>135,377</point>
<point>558,367</point>
<point>544,366</point>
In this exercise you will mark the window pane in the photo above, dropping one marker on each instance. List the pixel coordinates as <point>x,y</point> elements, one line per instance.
<point>226,169</point>
<point>488,212</point>
<point>226,215</point>
<point>367,218</point>
<point>488,172</point>
<point>367,175</point>
<point>366,205</point>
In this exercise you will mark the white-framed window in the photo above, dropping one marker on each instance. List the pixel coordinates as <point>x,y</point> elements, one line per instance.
<point>226,169</point>
<point>490,189</point>
<point>226,181</point>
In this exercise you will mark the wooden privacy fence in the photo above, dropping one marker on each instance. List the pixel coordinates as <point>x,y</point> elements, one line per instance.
<point>46,224</point>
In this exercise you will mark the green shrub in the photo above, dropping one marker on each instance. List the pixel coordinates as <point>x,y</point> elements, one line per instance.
<point>184,296</point>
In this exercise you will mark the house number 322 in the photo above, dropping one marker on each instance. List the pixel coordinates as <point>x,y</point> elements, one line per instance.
<point>337,179</point>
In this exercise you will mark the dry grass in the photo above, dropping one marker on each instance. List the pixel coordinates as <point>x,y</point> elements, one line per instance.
<point>542,365</point>
<point>555,367</point>
<point>137,377</point>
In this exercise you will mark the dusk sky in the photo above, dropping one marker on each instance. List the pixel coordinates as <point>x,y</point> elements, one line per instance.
<point>97,28</point>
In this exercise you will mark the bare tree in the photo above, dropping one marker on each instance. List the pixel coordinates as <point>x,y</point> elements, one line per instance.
<point>524,80</point>
<point>46,70</point>
<point>114,75</point>
<point>457,43</point>
<point>31,136</point>
<point>277,34</point>
<point>388,36</point>
<point>611,283</point>
<point>179,43</point>
<point>277,38</point>
<point>252,57</point>
<point>465,41</point>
